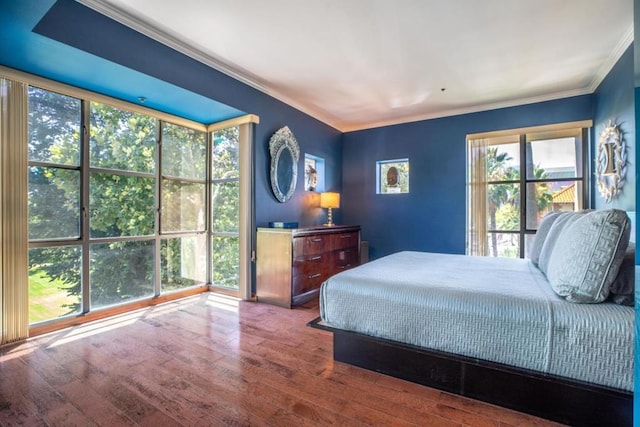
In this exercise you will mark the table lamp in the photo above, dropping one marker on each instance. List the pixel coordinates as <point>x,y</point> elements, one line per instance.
<point>329,201</point>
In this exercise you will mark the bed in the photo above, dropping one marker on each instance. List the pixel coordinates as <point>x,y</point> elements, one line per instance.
<point>508,331</point>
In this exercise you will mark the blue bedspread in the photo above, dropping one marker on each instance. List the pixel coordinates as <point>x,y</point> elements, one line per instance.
<point>496,309</point>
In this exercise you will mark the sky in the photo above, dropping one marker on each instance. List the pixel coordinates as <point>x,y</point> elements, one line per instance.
<point>547,154</point>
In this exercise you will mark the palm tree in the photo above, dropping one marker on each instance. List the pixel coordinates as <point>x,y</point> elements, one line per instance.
<point>498,169</point>
<point>540,192</point>
<point>505,198</point>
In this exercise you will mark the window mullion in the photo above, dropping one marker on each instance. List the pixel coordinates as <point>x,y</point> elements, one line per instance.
<point>157,283</point>
<point>586,178</point>
<point>85,192</point>
<point>507,181</point>
<point>182,180</point>
<point>122,172</point>
<point>208,223</point>
<point>523,191</point>
<point>559,179</point>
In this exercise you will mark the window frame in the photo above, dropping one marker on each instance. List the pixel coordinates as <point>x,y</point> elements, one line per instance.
<point>523,137</point>
<point>246,124</point>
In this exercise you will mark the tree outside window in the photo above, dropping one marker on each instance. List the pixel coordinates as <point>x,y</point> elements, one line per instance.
<point>525,177</point>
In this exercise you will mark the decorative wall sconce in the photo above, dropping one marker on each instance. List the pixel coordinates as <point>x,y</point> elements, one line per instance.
<point>611,161</point>
<point>329,201</point>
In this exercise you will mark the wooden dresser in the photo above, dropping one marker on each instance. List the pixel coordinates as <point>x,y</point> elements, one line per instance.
<point>293,263</point>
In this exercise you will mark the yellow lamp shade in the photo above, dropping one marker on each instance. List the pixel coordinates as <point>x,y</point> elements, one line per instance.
<point>329,200</point>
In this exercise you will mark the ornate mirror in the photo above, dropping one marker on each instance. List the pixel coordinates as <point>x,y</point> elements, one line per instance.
<point>285,152</point>
<point>611,162</point>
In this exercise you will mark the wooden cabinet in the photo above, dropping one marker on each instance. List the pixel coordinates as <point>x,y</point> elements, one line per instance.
<point>293,263</point>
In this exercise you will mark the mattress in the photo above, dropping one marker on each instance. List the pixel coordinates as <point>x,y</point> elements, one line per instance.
<point>495,309</point>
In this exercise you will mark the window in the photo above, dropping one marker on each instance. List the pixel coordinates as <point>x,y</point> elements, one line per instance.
<point>130,206</point>
<point>54,196</point>
<point>183,252</point>
<point>122,181</point>
<point>225,198</point>
<point>514,179</point>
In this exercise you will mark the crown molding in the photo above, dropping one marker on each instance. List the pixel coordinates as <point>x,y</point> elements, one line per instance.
<point>142,27</point>
<point>148,30</point>
<point>247,78</point>
<point>616,53</point>
<point>466,110</point>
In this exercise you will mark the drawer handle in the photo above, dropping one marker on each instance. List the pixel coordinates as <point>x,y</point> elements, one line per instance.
<point>345,236</point>
<point>316,240</point>
<point>313,276</point>
<point>315,258</point>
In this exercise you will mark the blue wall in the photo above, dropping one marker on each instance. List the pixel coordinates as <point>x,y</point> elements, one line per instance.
<point>618,100</point>
<point>314,138</point>
<point>432,216</point>
<point>614,101</point>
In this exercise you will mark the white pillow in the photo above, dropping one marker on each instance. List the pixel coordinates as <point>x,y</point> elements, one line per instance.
<point>587,256</point>
<point>561,221</point>
<point>541,235</point>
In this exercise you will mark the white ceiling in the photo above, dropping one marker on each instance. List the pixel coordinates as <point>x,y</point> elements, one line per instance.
<point>357,64</point>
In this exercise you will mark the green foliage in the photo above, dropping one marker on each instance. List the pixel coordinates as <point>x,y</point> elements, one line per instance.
<point>503,198</point>
<point>183,206</point>
<point>226,153</point>
<point>48,298</point>
<point>54,127</point>
<point>54,138</point>
<point>121,205</point>
<point>54,282</point>
<point>225,264</point>
<point>54,203</point>
<point>122,201</point>
<point>121,139</point>
<point>121,271</point>
<point>183,262</point>
<point>225,201</point>
<point>184,152</point>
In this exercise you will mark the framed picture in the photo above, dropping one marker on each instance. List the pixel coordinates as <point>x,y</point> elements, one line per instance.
<point>392,176</point>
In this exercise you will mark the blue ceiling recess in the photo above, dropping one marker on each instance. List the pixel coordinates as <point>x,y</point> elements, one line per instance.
<point>71,43</point>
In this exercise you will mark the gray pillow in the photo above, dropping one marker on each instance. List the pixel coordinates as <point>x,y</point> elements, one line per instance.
<point>623,288</point>
<point>541,235</point>
<point>587,256</point>
<point>562,220</point>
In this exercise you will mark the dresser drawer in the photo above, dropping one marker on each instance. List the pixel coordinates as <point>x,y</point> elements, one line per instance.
<point>310,245</point>
<point>307,282</point>
<point>345,240</point>
<point>345,258</point>
<point>311,264</point>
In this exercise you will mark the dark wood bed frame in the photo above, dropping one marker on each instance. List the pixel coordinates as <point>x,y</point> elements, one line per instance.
<point>555,398</point>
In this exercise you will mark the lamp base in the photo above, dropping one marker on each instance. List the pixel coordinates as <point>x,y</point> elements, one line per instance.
<point>329,222</point>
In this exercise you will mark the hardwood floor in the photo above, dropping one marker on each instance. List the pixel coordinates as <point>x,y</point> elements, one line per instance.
<point>210,360</point>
